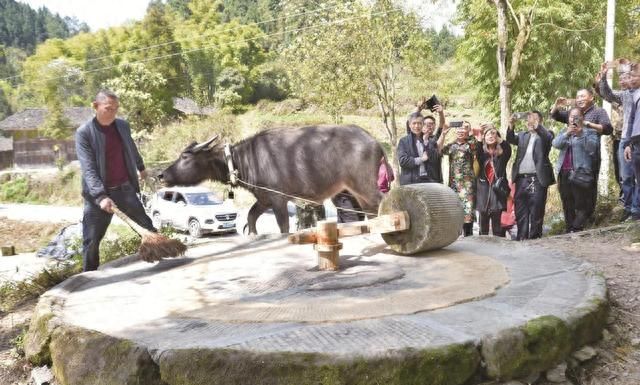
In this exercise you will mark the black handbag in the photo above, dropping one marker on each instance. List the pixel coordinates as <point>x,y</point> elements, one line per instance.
<point>581,178</point>
<point>501,187</point>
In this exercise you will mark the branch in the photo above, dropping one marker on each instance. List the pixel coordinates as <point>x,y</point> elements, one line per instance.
<point>521,42</point>
<point>513,14</point>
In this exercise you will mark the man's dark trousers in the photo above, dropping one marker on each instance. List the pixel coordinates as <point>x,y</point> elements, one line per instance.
<point>95,222</point>
<point>635,161</point>
<point>576,202</point>
<point>530,199</point>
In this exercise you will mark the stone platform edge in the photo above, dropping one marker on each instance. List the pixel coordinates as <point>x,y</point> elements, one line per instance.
<point>80,356</point>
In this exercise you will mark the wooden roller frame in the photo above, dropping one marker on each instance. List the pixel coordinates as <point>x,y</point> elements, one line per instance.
<point>325,236</point>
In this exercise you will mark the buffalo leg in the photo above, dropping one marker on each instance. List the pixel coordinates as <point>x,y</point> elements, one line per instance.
<point>254,212</point>
<point>369,200</point>
<point>282,214</point>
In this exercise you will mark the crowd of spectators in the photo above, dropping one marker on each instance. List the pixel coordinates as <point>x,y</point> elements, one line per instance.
<point>479,158</point>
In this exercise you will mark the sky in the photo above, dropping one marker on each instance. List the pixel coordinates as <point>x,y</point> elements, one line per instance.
<point>97,14</point>
<point>103,14</point>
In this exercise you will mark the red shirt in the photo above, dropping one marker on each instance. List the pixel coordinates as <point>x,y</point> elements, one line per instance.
<point>114,156</point>
<point>489,172</point>
<point>567,162</point>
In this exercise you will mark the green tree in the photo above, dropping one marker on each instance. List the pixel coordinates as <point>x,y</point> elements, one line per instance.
<point>627,33</point>
<point>355,56</point>
<point>52,73</point>
<point>57,78</point>
<point>443,44</point>
<point>211,48</point>
<point>536,51</point>
<point>23,27</point>
<point>5,107</point>
<point>138,87</point>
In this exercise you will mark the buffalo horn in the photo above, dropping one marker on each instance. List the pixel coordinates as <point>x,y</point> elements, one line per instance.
<point>204,145</point>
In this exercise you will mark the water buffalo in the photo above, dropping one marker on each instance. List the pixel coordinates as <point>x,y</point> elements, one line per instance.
<point>313,163</point>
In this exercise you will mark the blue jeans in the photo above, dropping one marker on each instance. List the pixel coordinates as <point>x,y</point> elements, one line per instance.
<point>95,222</point>
<point>628,183</point>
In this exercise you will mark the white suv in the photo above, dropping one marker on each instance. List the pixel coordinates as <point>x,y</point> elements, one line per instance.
<point>194,209</point>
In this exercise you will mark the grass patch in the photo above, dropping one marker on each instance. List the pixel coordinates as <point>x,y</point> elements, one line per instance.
<point>13,294</point>
<point>60,188</point>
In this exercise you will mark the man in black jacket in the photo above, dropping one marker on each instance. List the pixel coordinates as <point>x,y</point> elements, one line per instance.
<point>110,164</point>
<point>417,157</point>
<point>532,173</point>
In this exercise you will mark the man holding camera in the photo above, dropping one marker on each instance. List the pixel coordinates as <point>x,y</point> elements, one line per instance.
<point>578,150</point>
<point>596,119</point>
<point>532,174</point>
<point>628,97</point>
<point>632,132</point>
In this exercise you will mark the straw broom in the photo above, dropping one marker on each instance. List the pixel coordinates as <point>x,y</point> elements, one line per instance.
<point>154,246</point>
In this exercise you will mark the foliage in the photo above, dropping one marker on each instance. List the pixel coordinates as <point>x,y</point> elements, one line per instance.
<point>59,80</point>
<point>563,37</point>
<point>156,34</point>
<point>354,57</point>
<point>443,44</point>
<point>14,190</point>
<point>138,89</point>
<point>627,33</point>
<point>122,242</point>
<point>11,59</point>
<point>62,189</point>
<point>5,107</point>
<point>218,57</point>
<point>23,27</point>
<point>230,88</point>
<point>165,143</point>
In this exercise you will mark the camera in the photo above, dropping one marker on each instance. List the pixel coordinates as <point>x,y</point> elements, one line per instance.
<point>431,102</point>
<point>456,124</point>
<point>576,120</point>
<point>520,115</point>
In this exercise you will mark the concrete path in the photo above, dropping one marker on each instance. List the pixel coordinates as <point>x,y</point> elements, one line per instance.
<point>21,266</point>
<point>260,312</point>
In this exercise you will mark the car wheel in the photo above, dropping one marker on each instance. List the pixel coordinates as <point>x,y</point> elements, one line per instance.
<point>156,221</point>
<point>194,228</point>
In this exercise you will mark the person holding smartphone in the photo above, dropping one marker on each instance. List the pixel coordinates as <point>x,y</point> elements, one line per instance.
<point>578,147</point>
<point>493,153</point>
<point>462,178</point>
<point>532,174</point>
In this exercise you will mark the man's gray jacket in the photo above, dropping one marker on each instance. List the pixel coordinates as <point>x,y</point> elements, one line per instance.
<point>91,150</point>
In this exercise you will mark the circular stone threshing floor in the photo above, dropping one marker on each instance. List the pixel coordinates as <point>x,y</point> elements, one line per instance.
<point>266,298</point>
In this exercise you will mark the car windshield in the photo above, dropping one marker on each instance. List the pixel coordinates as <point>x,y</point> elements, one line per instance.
<point>202,199</point>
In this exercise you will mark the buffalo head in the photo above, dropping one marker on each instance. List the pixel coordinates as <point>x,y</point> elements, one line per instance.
<point>196,163</point>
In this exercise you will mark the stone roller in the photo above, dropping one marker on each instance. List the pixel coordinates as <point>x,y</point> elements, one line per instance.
<point>411,219</point>
<point>435,213</point>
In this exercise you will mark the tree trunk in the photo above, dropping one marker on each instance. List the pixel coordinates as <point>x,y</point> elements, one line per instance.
<point>501,56</point>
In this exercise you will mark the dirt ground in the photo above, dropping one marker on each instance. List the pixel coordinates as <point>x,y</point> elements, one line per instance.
<point>617,362</point>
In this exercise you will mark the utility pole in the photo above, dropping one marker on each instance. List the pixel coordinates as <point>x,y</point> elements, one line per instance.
<point>608,56</point>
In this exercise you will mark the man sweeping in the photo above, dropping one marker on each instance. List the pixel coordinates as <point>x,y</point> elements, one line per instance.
<point>110,164</point>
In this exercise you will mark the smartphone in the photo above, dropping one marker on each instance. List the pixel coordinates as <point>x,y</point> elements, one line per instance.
<point>432,102</point>
<point>456,123</point>
<point>520,115</point>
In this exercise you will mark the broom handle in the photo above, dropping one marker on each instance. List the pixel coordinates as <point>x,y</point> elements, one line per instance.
<point>136,227</point>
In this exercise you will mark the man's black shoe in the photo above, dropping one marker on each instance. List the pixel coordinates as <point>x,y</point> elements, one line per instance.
<point>625,215</point>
